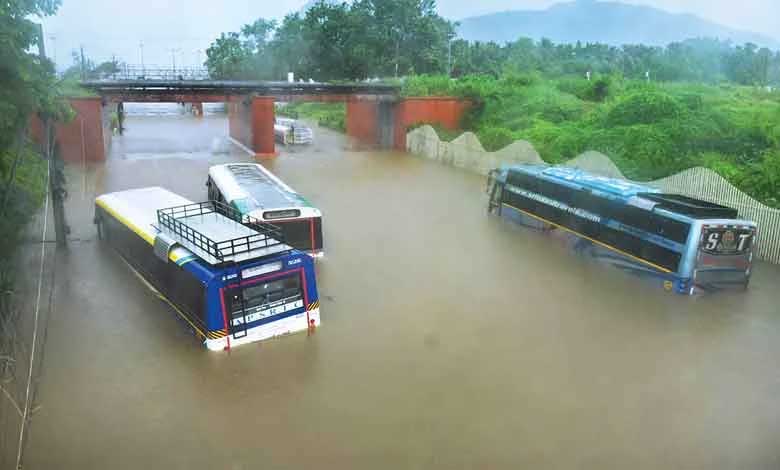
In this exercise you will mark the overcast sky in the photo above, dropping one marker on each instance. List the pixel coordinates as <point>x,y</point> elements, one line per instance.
<point>183,29</point>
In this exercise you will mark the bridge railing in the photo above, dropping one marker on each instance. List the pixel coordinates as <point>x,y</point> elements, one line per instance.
<point>137,72</point>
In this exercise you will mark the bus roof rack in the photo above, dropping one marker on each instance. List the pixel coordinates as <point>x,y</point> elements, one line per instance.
<point>218,234</point>
<point>689,206</point>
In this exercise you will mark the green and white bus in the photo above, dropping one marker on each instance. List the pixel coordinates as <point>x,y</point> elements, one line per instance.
<point>258,193</point>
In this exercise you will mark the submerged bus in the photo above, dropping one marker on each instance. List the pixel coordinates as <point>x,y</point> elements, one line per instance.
<point>226,274</point>
<point>289,131</point>
<point>686,244</point>
<point>255,191</point>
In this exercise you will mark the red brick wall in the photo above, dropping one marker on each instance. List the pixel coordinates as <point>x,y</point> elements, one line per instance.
<point>252,123</point>
<point>444,111</point>
<point>361,121</point>
<point>263,126</point>
<point>81,140</point>
<point>239,121</point>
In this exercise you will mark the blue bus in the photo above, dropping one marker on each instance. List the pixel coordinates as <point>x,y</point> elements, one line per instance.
<point>228,276</point>
<point>685,244</point>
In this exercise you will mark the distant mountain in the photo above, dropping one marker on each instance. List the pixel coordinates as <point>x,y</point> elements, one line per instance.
<point>607,22</point>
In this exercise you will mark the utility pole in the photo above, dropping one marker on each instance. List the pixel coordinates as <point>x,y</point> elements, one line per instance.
<point>174,50</point>
<point>143,68</point>
<point>51,155</point>
<point>53,39</point>
<point>397,52</point>
<point>83,64</point>
<point>449,57</point>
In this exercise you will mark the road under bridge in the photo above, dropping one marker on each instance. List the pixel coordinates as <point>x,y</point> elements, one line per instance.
<point>377,115</point>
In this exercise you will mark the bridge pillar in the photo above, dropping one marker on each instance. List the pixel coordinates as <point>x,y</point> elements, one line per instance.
<point>251,124</point>
<point>361,121</point>
<point>120,117</point>
<point>444,111</point>
<point>383,123</point>
<point>370,121</point>
<point>263,126</point>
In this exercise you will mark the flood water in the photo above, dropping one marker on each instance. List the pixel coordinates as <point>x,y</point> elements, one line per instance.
<point>449,339</point>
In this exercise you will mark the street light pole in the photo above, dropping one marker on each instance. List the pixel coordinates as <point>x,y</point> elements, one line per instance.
<point>449,56</point>
<point>53,38</point>
<point>174,50</point>
<point>141,50</point>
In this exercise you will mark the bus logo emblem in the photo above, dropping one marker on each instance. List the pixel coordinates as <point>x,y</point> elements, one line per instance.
<point>729,240</point>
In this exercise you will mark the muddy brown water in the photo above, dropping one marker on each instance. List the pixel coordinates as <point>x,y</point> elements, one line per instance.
<point>450,339</point>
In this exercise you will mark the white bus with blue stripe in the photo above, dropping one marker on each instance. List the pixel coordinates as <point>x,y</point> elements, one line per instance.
<point>228,276</point>
<point>689,245</point>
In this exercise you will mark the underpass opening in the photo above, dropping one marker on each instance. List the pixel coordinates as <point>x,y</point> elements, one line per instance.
<point>147,130</point>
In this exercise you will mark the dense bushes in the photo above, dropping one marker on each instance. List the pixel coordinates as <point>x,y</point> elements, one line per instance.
<point>643,107</point>
<point>18,202</point>
<point>494,138</point>
<point>649,130</point>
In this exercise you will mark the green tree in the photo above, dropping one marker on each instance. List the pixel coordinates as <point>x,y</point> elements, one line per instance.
<point>289,49</point>
<point>24,78</point>
<point>338,41</point>
<point>27,85</point>
<point>227,57</point>
<point>336,46</point>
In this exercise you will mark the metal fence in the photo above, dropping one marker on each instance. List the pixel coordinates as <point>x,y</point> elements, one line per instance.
<point>705,184</point>
<point>467,152</point>
<point>155,72</point>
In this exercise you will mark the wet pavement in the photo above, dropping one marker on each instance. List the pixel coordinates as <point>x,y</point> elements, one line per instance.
<point>450,339</point>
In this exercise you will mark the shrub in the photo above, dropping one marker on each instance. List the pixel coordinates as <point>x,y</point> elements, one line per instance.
<point>596,90</point>
<point>330,115</point>
<point>427,85</point>
<point>495,138</point>
<point>644,107</point>
<point>650,130</point>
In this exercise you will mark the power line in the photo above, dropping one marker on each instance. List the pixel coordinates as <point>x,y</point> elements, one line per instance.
<point>26,409</point>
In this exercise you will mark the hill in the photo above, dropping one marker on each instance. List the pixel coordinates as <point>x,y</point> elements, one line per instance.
<point>606,22</point>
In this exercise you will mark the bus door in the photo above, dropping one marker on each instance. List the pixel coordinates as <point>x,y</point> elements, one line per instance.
<point>725,255</point>
<point>494,190</point>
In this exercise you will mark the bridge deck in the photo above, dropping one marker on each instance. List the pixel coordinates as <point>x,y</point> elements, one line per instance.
<point>236,87</point>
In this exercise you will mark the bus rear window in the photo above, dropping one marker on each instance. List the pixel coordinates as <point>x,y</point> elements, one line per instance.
<point>287,289</point>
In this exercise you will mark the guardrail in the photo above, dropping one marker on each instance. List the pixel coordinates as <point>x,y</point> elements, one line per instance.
<point>158,73</point>
<point>175,220</point>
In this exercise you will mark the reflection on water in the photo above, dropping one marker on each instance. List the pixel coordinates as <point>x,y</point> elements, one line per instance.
<point>175,135</point>
<point>450,339</point>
